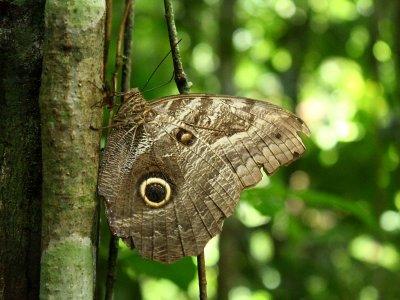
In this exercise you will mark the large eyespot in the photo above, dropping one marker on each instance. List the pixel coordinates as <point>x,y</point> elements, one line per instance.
<point>185,137</point>
<point>155,191</point>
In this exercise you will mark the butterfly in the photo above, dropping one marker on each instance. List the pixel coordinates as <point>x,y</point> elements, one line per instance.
<point>173,169</point>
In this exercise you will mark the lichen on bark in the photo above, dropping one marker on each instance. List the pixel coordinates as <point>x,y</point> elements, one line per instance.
<point>72,70</point>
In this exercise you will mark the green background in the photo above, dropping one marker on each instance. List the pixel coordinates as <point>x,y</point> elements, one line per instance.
<point>326,227</point>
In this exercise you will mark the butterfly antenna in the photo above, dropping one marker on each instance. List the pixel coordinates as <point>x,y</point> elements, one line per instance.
<point>161,85</point>
<point>158,66</point>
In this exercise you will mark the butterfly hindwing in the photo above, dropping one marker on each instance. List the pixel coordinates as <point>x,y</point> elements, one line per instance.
<point>171,174</point>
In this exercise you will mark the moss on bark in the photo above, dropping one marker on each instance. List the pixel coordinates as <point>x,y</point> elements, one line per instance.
<point>72,68</point>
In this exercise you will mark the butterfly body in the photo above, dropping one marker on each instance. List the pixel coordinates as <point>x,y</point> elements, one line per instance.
<point>174,169</point>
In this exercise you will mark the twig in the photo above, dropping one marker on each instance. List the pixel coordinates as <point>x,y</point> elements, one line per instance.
<point>120,42</point>
<point>201,272</point>
<point>181,79</point>
<point>107,35</point>
<point>183,85</point>
<point>125,39</point>
<point>111,266</point>
<point>126,66</point>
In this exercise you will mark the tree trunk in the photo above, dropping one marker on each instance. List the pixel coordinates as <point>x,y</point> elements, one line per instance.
<point>21,35</point>
<point>72,68</point>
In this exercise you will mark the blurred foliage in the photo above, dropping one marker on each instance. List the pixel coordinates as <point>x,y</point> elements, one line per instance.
<point>328,226</point>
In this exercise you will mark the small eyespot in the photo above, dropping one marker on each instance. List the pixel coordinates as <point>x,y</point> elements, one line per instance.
<point>185,137</point>
<point>296,154</point>
<point>155,191</point>
<point>278,135</point>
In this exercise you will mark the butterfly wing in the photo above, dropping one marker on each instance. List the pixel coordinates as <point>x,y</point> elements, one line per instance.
<point>247,133</point>
<point>207,149</point>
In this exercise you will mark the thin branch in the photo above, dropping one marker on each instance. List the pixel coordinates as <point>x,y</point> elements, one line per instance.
<point>126,66</point>
<point>120,42</point>
<point>201,272</point>
<point>111,266</point>
<point>183,85</point>
<point>182,82</point>
<point>107,35</point>
<point>124,45</point>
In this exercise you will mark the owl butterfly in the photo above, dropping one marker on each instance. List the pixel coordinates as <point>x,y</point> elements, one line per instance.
<point>173,170</point>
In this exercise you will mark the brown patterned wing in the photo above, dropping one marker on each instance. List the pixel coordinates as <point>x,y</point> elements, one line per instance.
<point>246,133</point>
<point>170,182</point>
<point>183,224</point>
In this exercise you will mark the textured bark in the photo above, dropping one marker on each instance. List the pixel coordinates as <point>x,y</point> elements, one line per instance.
<point>72,68</point>
<point>21,28</point>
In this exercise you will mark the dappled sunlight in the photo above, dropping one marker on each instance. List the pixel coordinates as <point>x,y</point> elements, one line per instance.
<point>330,102</point>
<point>369,250</point>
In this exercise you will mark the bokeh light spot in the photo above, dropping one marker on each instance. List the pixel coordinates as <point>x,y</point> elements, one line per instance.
<point>261,246</point>
<point>382,51</point>
<point>366,249</point>
<point>203,59</point>
<point>211,251</point>
<point>369,293</point>
<point>282,60</point>
<point>242,39</point>
<point>249,216</point>
<point>316,284</point>
<point>240,293</point>
<point>247,74</point>
<point>299,180</point>
<point>285,8</point>
<point>271,278</point>
<point>365,7</point>
<point>261,51</point>
<point>397,200</point>
<point>358,41</point>
<point>328,157</point>
<point>318,5</point>
<point>390,220</point>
